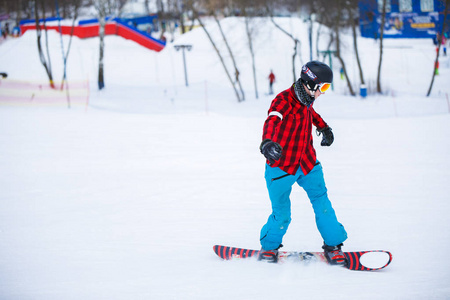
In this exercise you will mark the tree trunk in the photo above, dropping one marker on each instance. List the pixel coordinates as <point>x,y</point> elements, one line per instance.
<point>162,19</point>
<point>194,17</point>
<point>436,61</point>
<point>338,50</point>
<point>252,53</point>
<point>317,39</point>
<point>147,9</point>
<point>18,11</point>
<point>296,44</point>
<point>181,13</point>
<point>236,70</point>
<point>294,55</point>
<point>220,57</point>
<point>102,22</point>
<point>355,45</point>
<point>66,55</point>
<point>47,66</point>
<point>182,25</point>
<point>383,18</point>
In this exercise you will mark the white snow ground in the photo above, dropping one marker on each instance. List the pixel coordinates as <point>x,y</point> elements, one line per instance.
<point>125,198</point>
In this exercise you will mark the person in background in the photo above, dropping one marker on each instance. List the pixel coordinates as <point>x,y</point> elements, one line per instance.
<point>444,43</point>
<point>271,81</point>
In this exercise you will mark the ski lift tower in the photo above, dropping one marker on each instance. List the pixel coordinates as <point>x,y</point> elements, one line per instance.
<point>182,47</point>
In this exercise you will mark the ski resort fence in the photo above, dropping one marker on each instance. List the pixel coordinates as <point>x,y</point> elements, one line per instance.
<point>25,93</point>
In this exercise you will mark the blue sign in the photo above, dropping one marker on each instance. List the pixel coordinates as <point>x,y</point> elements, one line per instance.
<point>414,24</point>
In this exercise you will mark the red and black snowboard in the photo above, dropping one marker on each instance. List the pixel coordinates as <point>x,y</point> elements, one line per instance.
<point>355,260</point>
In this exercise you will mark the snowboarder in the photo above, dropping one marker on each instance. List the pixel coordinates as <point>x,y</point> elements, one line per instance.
<point>271,81</point>
<point>288,147</point>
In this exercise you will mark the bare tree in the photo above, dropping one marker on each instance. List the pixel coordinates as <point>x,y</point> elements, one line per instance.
<point>319,31</point>
<point>105,8</point>
<point>101,7</point>
<point>162,17</point>
<point>291,5</point>
<point>211,6</point>
<point>218,54</point>
<point>236,70</point>
<point>383,18</point>
<point>19,4</point>
<point>182,10</point>
<point>436,61</point>
<point>46,62</point>
<point>77,4</point>
<point>147,9</point>
<point>252,52</point>
<point>352,8</point>
<point>251,9</point>
<point>296,46</point>
<point>337,28</point>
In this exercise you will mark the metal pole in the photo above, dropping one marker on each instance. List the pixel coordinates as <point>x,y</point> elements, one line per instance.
<point>185,71</point>
<point>182,47</point>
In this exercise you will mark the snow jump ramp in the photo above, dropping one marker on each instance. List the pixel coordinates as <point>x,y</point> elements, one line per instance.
<point>90,28</point>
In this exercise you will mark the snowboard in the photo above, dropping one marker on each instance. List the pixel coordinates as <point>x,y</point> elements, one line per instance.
<point>355,260</point>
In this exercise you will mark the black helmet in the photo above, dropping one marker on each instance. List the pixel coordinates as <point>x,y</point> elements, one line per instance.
<point>315,73</point>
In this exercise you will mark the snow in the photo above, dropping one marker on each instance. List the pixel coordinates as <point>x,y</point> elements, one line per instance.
<point>125,197</point>
<point>374,259</point>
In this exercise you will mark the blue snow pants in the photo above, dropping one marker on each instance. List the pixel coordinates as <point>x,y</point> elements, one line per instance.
<point>279,184</point>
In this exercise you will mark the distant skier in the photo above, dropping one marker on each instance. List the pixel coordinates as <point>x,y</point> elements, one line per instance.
<point>288,147</point>
<point>444,44</point>
<point>271,81</point>
<point>443,41</point>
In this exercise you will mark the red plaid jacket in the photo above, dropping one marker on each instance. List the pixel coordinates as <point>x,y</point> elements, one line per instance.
<point>290,124</point>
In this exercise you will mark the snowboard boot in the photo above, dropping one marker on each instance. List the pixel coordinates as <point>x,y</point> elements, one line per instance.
<point>270,256</point>
<point>334,255</point>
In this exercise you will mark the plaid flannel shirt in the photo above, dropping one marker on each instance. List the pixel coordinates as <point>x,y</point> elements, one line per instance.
<point>289,123</point>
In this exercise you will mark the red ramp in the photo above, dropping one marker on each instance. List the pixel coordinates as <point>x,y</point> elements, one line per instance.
<point>90,28</point>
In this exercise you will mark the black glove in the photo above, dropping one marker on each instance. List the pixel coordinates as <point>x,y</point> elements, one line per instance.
<point>328,137</point>
<point>271,150</point>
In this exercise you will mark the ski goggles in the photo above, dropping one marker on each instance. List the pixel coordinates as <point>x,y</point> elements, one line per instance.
<point>324,86</point>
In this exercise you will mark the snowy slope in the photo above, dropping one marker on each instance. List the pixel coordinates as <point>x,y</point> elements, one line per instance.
<point>125,200</point>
